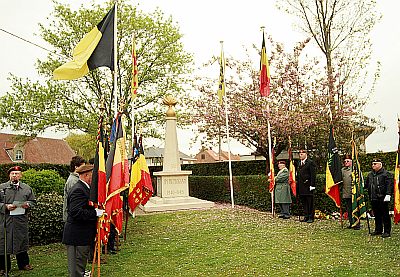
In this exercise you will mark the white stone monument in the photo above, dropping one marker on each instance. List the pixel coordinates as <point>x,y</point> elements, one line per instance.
<point>172,182</point>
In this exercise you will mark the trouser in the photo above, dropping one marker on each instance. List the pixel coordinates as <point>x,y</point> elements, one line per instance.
<point>382,217</point>
<point>77,259</point>
<point>22,261</point>
<point>308,206</point>
<point>284,208</point>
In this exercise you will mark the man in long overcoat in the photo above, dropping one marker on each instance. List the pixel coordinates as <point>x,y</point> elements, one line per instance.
<point>19,198</point>
<point>282,190</point>
<point>306,185</point>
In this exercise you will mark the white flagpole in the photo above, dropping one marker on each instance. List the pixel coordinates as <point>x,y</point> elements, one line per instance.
<point>115,60</point>
<point>227,134</point>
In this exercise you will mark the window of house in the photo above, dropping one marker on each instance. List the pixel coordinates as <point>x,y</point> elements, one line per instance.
<point>18,155</point>
<point>203,156</point>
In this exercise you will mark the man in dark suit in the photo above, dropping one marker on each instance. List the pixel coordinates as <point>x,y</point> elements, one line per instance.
<point>80,228</point>
<point>306,185</point>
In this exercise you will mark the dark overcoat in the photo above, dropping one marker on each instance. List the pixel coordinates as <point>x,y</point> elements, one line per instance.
<point>306,175</point>
<point>16,225</point>
<point>80,227</point>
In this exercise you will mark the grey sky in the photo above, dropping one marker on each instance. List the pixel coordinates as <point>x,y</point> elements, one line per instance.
<point>204,24</point>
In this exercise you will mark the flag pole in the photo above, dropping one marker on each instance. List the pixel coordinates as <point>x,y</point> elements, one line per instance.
<point>115,60</point>
<point>270,161</point>
<point>227,135</point>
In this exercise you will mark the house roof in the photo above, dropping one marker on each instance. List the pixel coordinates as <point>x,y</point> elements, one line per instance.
<point>156,152</point>
<point>224,155</point>
<point>37,150</point>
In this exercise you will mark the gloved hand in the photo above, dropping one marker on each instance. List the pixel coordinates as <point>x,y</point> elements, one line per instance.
<point>387,198</point>
<point>99,212</point>
<point>312,188</point>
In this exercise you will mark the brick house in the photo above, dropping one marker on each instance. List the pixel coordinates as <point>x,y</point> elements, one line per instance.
<point>209,156</point>
<point>35,151</point>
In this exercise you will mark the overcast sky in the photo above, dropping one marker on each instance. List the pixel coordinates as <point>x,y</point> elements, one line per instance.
<point>204,24</point>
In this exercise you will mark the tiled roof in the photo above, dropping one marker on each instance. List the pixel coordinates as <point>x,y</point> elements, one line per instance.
<point>37,150</point>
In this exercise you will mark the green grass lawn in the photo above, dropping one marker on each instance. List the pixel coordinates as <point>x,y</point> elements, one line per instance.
<point>235,242</point>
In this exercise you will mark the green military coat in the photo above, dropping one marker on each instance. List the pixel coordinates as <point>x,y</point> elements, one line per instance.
<point>282,188</point>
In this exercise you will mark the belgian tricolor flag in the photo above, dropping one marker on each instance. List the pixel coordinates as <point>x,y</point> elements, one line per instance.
<point>333,170</point>
<point>141,188</point>
<point>94,50</point>
<point>264,71</point>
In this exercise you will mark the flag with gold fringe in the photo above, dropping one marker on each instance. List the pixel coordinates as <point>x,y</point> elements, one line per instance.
<point>358,199</point>
<point>141,188</point>
<point>292,171</point>
<point>117,172</point>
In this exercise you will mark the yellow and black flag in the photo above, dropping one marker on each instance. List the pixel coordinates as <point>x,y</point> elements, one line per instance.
<point>221,85</point>
<point>94,50</point>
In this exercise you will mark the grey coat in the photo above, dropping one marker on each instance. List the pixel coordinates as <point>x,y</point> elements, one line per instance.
<point>73,178</point>
<point>282,188</point>
<point>17,225</point>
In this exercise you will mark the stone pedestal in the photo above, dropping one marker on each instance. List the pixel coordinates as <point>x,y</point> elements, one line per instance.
<point>172,182</point>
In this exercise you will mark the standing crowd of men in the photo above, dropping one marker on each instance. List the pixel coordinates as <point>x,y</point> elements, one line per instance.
<point>379,184</point>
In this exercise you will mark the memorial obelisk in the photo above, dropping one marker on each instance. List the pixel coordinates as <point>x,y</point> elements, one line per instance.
<point>172,182</point>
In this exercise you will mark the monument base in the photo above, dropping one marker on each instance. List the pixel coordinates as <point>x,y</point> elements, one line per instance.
<point>158,204</point>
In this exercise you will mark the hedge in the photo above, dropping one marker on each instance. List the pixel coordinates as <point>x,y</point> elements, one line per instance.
<point>44,181</point>
<point>45,219</point>
<point>252,191</point>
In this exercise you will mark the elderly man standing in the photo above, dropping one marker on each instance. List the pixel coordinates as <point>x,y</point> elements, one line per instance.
<point>80,227</point>
<point>306,175</point>
<point>379,184</point>
<point>15,199</point>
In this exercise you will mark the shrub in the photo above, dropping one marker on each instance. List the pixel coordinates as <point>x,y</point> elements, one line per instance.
<point>44,181</point>
<point>45,219</point>
<point>252,191</point>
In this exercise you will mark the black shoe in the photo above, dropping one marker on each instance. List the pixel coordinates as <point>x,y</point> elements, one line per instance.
<point>385,235</point>
<point>281,216</point>
<point>376,233</point>
<point>286,217</point>
<point>310,220</point>
<point>356,228</point>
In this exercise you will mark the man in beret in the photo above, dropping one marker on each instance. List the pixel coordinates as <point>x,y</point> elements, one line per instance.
<point>15,199</point>
<point>80,227</point>
<point>379,184</point>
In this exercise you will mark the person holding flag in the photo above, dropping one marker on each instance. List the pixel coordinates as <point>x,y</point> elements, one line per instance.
<point>347,189</point>
<point>306,185</point>
<point>379,184</point>
<point>282,190</point>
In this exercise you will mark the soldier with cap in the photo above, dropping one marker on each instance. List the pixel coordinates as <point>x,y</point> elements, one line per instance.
<point>15,199</point>
<point>379,184</point>
<point>80,227</point>
<point>282,190</point>
<point>347,189</point>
